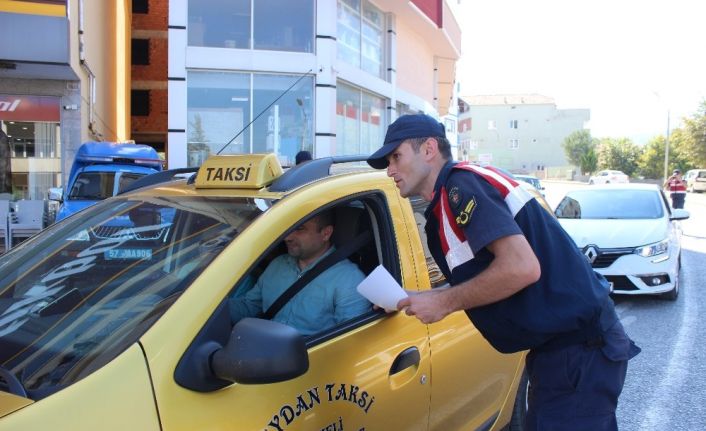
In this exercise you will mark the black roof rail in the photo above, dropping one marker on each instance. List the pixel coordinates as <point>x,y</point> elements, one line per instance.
<point>157,178</point>
<point>309,171</point>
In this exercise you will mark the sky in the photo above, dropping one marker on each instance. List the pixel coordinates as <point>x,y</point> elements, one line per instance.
<point>634,64</point>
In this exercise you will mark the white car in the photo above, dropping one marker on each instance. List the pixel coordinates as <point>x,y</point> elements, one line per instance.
<point>628,233</point>
<point>608,177</point>
<point>695,180</point>
<point>531,179</point>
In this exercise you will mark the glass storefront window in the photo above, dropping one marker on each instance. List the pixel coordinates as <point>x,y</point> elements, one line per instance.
<point>360,120</point>
<point>360,30</point>
<point>279,25</point>
<point>29,160</point>
<point>220,105</point>
<point>284,25</point>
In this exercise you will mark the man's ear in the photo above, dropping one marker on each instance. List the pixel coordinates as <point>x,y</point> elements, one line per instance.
<point>327,231</point>
<point>431,148</point>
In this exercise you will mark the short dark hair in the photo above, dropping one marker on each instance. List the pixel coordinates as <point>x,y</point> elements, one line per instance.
<point>323,219</point>
<point>444,145</point>
<point>302,156</point>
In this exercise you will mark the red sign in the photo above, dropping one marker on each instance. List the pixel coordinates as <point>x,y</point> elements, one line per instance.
<point>29,108</point>
<point>432,9</point>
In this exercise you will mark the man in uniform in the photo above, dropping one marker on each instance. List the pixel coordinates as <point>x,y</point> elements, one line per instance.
<point>676,187</point>
<point>518,276</point>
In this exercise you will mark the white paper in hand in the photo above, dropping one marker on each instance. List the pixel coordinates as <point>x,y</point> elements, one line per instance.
<point>382,289</point>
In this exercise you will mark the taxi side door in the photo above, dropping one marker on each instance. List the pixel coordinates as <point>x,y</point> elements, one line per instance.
<point>371,372</point>
<point>473,385</point>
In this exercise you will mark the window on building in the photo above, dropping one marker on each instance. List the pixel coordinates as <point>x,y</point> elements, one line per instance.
<point>140,103</point>
<point>360,35</point>
<point>491,125</point>
<point>514,144</point>
<point>513,124</point>
<point>450,125</point>
<point>360,120</point>
<point>404,109</point>
<point>140,6</point>
<point>221,104</point>
<point>32,139</point>
<point>140,52</point>
<point>279,25</point>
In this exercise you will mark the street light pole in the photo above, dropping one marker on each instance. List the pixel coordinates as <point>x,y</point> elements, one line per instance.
<point>666,151</point>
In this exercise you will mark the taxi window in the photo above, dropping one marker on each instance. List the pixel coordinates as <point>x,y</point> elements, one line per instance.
<point>368,213</point>
<point>435,275</point>
<point>74,297</point>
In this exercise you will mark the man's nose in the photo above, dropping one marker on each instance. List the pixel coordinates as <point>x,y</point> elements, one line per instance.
<point>390,170</point>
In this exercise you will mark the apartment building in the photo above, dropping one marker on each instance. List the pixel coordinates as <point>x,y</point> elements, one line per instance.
<point>521,132</point>
<point>319,75</point>
<point>64,79</point>
<point>148,81</point>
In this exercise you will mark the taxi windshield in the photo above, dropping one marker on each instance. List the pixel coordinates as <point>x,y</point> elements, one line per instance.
<point>82,291</point>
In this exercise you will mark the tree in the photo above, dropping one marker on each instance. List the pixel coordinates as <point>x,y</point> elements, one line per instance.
<point>695,128</point>
<point>578,146</point>
<point>651,163</point>
<point>621,154</point>
<point>589,161</point>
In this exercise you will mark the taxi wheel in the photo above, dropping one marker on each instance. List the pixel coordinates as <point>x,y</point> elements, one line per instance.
<point>519,410</point>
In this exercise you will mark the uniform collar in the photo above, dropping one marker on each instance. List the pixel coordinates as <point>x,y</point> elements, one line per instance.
<point>440,181</point>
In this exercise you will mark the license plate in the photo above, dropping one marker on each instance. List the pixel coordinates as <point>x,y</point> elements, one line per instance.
<point>128,253</point>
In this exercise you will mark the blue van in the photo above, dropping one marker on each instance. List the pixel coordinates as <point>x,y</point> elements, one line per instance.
<point>103,169</point>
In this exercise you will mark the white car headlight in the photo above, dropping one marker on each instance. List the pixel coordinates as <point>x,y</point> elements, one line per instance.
<point>653,249</point>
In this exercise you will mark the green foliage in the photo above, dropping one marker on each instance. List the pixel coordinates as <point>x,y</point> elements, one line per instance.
<point>589,161</point>
<point>579,149</point>
<point>695,128</point>
<point>621,154</point>
<point>651,163</point>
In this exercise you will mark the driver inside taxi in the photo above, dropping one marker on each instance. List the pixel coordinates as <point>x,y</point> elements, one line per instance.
<point>327,300</point>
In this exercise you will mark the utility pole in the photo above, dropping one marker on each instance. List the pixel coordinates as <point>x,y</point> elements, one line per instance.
<point>666,151</point>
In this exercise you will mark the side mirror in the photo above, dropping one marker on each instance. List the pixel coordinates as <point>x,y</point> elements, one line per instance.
<point>261,351</point>
<point>55,194</point>
<point>679,214</point>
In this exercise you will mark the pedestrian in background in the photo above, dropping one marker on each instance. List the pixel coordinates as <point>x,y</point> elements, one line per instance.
<point>676,187</point>
<point>302,157</point>
<point>517,275</point>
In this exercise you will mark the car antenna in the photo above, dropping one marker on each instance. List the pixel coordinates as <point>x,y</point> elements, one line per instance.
<point>264,110</point>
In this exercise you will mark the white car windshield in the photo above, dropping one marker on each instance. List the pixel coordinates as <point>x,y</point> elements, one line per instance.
<point>611,204</point>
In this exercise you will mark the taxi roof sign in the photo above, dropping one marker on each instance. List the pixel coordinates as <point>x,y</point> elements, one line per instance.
<point>242,171</point>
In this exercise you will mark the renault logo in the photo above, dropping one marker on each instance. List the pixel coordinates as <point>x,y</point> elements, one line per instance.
<point>591,253</point>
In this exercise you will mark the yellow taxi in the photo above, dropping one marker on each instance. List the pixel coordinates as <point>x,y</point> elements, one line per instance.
<point>116,318</point>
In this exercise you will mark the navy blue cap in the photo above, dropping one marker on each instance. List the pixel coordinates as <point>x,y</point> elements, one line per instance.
<point>406,127</point>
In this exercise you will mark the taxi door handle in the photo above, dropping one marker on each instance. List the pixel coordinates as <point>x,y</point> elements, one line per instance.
<point>408,358</point>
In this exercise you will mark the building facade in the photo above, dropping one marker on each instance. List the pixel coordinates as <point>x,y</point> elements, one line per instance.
<point>522,132</point>
<point>63,80</point>
<point>148,83</point>
<point>325,76</point>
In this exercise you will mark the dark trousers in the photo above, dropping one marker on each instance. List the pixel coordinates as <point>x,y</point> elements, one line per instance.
<point>678,200</point>
<point>577,387</point>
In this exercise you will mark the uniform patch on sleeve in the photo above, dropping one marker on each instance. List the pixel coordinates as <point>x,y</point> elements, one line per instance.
<point>455,197</point>
<point>465,215</point>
